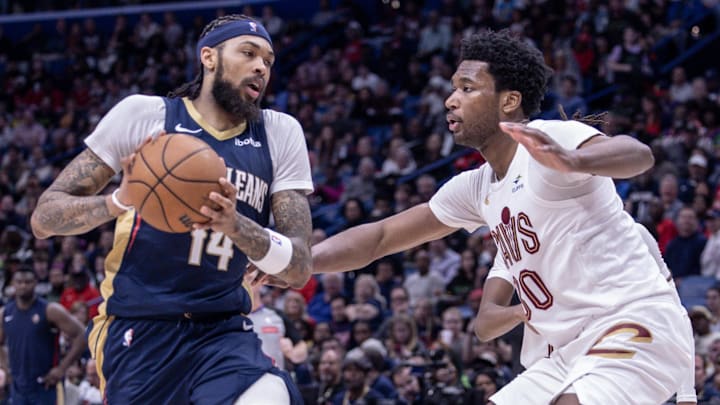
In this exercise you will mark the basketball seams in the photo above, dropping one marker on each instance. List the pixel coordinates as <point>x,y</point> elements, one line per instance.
<point>174,206</point>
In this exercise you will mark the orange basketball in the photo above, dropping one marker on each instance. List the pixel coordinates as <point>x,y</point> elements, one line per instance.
<point>171,179</point>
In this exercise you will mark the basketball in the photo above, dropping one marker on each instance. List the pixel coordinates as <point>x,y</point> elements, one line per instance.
<point>171,178</point>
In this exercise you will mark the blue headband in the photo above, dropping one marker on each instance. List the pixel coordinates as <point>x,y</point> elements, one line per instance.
<point>231,30</point>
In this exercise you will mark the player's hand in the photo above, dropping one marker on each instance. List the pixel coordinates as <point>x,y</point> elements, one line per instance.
<point>54,376</point>
<point>541,147</point>
<point>127,162</point>
<point>256,277</point>
<point>223,216</point>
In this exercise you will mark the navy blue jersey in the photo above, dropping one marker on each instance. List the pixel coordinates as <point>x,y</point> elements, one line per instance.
<point>151,273</point>
<point>32,344</point>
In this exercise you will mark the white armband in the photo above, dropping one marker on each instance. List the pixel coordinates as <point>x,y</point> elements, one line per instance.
<point>278,256</point>
<point>117,202</point>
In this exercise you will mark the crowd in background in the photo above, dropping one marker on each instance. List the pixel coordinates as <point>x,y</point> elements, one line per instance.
<point>369,91</point>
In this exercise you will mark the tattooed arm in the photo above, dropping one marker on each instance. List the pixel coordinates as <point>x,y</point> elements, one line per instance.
<point>292,219</point>
<point>69,206</point>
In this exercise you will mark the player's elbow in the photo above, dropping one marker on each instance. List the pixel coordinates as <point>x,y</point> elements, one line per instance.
<point>482,333</point>
<point>298,278</point>
<point>36,226</point>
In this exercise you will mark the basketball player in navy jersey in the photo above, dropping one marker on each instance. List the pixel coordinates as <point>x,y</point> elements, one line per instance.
<point>172,329</point>
<point>30,327</point>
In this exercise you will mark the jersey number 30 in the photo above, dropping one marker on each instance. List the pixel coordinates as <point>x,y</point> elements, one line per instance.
<point>219,245</point>
<point>534,290</point>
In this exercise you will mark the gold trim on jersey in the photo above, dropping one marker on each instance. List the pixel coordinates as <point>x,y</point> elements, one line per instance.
<point>59,393</point>
<point>220,135</point>
<point>123,232</point>
<point>96,342</point>
<point>248,289</point>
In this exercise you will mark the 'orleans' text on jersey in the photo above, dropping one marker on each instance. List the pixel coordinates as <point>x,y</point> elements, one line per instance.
<point>251,189</point>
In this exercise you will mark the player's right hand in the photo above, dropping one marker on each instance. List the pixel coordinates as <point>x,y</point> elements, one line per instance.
<point>126,162</point>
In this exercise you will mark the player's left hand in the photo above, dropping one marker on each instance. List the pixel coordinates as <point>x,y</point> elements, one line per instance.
<point>54,376</point>
<point>543,148</point>
<point>223,217</point>
<point>255,277</point>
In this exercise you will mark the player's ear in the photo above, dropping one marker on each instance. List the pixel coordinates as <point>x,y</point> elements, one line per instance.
<point>208,57</point>
<point>510,101</point>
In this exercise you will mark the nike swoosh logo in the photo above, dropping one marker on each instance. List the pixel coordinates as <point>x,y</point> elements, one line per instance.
<point>8,318</point>
<point>180,128</point>
<point>247,326</point>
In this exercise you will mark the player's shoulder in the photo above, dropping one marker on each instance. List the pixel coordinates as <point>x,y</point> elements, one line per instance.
<point>142,101</point>
<point>138,106</point>
<point>279,119</point>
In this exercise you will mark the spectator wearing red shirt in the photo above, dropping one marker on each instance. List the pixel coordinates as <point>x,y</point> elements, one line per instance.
<point>81,290</point>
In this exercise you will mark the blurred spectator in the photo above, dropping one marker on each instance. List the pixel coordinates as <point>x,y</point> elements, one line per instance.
<point>90,387</point>
<point>29,329</point>
<point>423,283</point>
<point>331,380</point>
<point>319,306</point>
<point>56,278</point>
<point>710,257</point>
<point>340,324</point>
<point>362,185</point>
<point>402,342</point>
<point>680,89</point>
<point>443,260</point>
<point>368,304</point>
<point>705,394</point>
<point>701,319</point>
<point>356,391</point>
<point>669,196</point>
<point>712,302</point>
<point>407,384</point>
<point>80,290</point>
<point>683,252</point>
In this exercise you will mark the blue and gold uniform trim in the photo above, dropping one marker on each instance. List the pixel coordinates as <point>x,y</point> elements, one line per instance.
<point>217,134</point>
<point>124,231</point>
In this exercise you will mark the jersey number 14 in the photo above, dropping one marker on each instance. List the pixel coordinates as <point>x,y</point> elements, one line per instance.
<point>219,245</point>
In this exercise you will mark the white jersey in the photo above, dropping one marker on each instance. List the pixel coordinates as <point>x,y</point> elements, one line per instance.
<point>131,120</point>
<point>571,250</point>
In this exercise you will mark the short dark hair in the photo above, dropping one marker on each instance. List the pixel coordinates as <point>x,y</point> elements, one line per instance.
<point>514,65</point>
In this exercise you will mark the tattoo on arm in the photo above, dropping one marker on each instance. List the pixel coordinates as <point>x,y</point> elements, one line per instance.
<point>69,206</point>
<point>292,219</point>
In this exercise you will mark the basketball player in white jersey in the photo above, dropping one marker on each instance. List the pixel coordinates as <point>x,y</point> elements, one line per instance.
<point>535,348</point>
<point>587,282</point>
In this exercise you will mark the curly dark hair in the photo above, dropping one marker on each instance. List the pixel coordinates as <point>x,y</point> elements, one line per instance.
<point>514,64</point>
<point>192,89</point>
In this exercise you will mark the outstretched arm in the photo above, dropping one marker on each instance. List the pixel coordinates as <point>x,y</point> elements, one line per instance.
<point>618,157</point>
<point>360,245</point>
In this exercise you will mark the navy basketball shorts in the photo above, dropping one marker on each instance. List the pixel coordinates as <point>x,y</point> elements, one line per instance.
<point>179,361</point>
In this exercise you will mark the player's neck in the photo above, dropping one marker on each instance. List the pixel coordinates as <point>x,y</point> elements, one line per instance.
<point>213,114</point>
<point>500,155</point>
<point>24,304</point>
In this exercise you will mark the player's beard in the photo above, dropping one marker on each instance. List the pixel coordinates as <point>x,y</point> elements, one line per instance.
<point>230,98</point>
